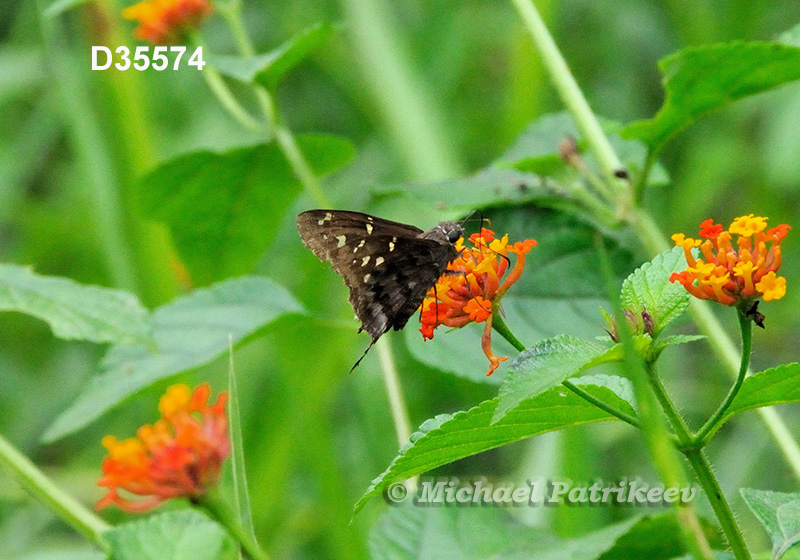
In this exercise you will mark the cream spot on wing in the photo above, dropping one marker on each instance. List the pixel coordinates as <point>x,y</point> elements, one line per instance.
<point>366,277</point>
<point>365,260</point>
<point>369,229</point>
<point>324,236</point>
<point>391,245</point>
<point>378,261</point>
<point>327,218</point>
<point>341,240</point>
<point>357,247</point>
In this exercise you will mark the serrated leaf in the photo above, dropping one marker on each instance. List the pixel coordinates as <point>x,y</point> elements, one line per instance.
<point>449,437</point>
<point>269,68</point>
<point>778,385</point>
<point>74,311</point>
<point>676,339</point>
<point>546,365</point>
<point>189,332</point>
<point>223,209</point>
<point>459,352</point>
<point>176,535</point>
<point>701,79</point>
<point>649,289</point>
<point>779,513</point>
<point>417,533</point>
<point>291,53</point>
<point>620,386</point>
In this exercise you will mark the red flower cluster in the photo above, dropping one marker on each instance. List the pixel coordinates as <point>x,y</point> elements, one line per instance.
<point>472,291</point>
<point>731,274</point>
<point>167,21</point>
<point>181,455</point>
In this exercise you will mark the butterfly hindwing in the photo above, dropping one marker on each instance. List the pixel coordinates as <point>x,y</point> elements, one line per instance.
<point>397,286</point>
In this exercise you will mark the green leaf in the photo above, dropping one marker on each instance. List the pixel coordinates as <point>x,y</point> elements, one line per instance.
<point>657,538</point>
<point>536,150</point>
<point>241,497</point>
<point>620,386</point>
<point>791,37</point>
<point>74,311</point>
<point>459,351</point>
<point>291,53</point>
<point>418,533</point>
<point>176,535</point>
<point>546,365</point>
<point>675,339</point>
<point>779,513</point>
<point>189,332</point>
<point>449,437</point>
<point>649,289</point>
<point>269,68</point>
<point>699,80</point>
<point>223,209</point>
<point>778,385</point>
<point>456,197</point>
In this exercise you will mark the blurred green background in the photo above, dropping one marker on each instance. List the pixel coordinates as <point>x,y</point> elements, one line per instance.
<point>73,143</point>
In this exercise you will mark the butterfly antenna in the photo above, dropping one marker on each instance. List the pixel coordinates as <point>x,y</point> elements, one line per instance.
<point>355,365</point>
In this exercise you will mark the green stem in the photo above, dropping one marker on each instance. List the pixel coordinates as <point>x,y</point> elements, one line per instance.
<point>653,239</point>
<point>716,419</point>
<point>500,326</point>
<point>585,395</point>
<point>682,430</point>
<point>644,174</point>
<point>42,488</point>
<point>702,470</point>
<point>220,511</point>
<point>286,141</point>
<point>573,98</point>
<point>658,440</point>
<point>232,12</point>
<point>228,101</point>
<point>93,155</point>
<point>393,389</point>
<point>413,118</point>
<point>704,473</point>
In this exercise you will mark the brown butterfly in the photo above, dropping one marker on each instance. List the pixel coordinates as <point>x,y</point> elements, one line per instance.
<point>388,266</point>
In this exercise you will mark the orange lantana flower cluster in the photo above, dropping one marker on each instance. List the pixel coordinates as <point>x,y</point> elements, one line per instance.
<point>733,272</point>
<point>167,21</point>
<point>181,455</point>
<point>472,288</point>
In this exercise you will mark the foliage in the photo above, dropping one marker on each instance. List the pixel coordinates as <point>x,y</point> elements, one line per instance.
<point>158,211</point>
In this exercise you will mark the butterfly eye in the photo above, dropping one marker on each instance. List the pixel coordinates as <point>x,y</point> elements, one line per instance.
<point>453,235</point>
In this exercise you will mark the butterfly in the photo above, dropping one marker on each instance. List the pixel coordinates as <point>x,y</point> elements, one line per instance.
<point>388,266</point>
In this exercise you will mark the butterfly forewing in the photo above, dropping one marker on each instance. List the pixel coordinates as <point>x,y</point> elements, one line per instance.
<point>388,266</point>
